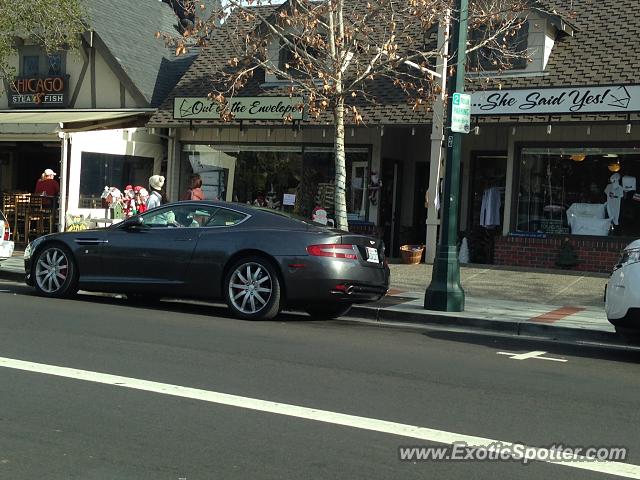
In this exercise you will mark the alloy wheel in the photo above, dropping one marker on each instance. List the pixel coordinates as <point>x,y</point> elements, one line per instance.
<point>52,270</point>
<point>250,288</point>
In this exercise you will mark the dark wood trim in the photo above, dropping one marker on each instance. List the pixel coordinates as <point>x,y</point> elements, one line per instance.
<point>93,77</point>
<point>85,65</point>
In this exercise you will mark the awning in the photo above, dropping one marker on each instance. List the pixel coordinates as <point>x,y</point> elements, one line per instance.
<point>78,119</point>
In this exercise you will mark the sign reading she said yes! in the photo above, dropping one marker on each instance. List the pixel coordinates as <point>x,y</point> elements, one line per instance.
<point>551,101</point>
<point>242,108</point>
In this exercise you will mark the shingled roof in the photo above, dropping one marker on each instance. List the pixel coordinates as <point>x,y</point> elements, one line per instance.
<point>127,33</point>
<point>603,50</point>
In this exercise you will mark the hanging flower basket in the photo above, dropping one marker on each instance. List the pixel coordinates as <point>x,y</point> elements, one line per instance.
<point>411,254</point>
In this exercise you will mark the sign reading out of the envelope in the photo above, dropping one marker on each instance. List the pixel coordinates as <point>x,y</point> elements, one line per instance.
<point>241,108</point>
<point>552,101</point>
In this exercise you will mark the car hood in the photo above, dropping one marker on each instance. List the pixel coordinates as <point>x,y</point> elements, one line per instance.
<point>633,245</point>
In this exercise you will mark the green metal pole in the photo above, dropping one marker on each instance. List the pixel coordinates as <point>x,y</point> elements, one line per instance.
<point>445,292</point>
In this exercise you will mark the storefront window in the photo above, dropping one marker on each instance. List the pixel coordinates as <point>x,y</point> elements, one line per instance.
<point>30,65</point>
<point>580,191</point>
<point>55,64</point>
<point>289,178</point>
<point>101,169</point>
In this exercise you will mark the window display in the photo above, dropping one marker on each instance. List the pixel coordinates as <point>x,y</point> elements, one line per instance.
<point>103,169</point>
<point>579,191</point>
<point>295,179</point>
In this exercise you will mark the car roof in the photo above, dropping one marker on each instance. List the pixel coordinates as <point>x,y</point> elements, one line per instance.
<point>263,216</point>
<point>240,207</point>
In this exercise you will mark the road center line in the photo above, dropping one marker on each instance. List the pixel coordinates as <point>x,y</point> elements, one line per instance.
<point>421,433</point>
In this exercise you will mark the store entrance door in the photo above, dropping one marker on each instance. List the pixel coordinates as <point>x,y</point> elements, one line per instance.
<point>486,205</point>
<point>30,160</point>
<point>390,205</point>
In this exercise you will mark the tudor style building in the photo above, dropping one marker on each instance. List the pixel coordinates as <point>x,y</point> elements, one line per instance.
<point>82,113</point>
<point>538,167</point>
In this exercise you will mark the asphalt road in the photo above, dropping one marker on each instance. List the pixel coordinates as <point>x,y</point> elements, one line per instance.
<point>54,425</point>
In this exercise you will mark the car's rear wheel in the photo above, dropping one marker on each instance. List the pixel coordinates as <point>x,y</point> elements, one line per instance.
<point>252,289</point>
<point>327,312</point>
<point>55,273</point>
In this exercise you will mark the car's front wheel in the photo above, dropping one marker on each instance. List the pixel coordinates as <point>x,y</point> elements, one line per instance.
<point>55,273</point>
<point>328,312</point>
<point>252,289</point>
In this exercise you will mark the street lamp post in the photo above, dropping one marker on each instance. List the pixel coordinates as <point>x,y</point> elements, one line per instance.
<point>445,292</point>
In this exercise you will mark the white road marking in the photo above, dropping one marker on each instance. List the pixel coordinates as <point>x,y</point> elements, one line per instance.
<point>536,354</point>
<point>626,470</point>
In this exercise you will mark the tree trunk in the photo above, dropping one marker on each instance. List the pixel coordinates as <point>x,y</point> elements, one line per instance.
<point>341,168</point>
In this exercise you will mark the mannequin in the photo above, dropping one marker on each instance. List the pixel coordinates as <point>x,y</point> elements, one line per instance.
<point>614,193</point>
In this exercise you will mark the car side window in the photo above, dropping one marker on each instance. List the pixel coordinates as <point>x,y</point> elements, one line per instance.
<point>225,218</point>
<point>197,215</point>
<point>179,216</point>
<point>158,218</point>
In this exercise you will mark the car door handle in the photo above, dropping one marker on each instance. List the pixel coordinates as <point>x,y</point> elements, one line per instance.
<point>183,239</point>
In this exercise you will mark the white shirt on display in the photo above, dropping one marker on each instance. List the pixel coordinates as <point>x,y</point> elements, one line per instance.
<point>490,208</point>
<point>614,193</point>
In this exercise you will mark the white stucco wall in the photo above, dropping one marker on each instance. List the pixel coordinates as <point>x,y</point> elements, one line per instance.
<point>135,142</point>
<point>107,82</point>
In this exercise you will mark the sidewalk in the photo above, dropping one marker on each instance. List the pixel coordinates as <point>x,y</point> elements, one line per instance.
<point>550,304</point>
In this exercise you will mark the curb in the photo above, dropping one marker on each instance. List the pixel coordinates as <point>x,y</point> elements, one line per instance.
<point>515,328</point>
<point>11,275</point>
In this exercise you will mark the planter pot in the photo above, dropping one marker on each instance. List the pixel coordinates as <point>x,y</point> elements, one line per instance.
<point>411,254</point>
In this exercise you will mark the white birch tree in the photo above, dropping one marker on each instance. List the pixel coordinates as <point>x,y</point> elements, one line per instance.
<point>335,52</point>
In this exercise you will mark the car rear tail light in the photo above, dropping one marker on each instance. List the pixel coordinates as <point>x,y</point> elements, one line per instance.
<point>6,233</point>
<point>332,250</point>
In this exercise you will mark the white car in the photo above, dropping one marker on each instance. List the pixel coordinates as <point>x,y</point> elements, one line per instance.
<point>6,244</point>
<point>622,293</point>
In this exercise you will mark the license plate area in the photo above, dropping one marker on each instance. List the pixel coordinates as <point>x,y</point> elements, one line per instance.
<point>372,255</point>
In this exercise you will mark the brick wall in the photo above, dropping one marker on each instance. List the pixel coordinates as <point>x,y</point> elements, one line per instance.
<point>594,255</point>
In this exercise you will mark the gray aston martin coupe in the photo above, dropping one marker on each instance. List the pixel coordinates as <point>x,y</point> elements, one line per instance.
<point>257,260</point>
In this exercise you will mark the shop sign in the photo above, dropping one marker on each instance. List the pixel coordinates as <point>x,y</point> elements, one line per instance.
<point>242,108</point>
<point>461,113</point>
<point>38,92</point>
<point>554,101</point>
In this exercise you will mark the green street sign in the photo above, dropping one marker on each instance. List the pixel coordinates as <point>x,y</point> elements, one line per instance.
<point>461,113</point>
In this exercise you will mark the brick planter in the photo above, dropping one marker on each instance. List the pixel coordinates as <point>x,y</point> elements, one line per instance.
<point>594,254</point>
